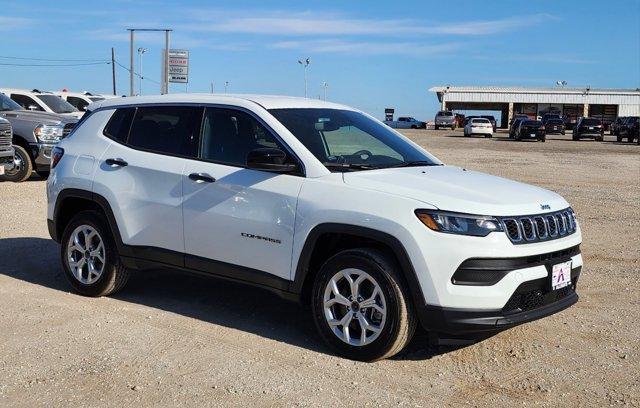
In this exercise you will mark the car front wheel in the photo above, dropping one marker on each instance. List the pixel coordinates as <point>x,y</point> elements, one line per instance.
<point>22,166</point>
<point>89,256</point>
<point>361,305</point>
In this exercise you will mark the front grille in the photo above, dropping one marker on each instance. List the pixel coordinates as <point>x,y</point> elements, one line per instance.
<point>67,129</point>
<point>543,227</point>
<point>5,134</point>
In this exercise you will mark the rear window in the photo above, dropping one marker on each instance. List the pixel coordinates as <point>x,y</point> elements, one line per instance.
<point>555,122</point>
<point>445,113</point>
<point>119,124</point>
<point>170,130</point>
<point>480,121</point>
<point>591,122</point>
<point>532,123</point>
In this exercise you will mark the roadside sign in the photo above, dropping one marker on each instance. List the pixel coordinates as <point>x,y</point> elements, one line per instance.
<point>179,66</point>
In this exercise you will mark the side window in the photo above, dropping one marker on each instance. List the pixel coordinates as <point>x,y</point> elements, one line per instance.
<point>118,126</point>
<point>229,135</point>
<point>166,129</point>
<point>25,101</point>
<point>79,104</point>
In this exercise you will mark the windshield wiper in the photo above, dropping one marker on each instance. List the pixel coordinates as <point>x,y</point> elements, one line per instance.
<point>349,166</point>
<point>416,163</point>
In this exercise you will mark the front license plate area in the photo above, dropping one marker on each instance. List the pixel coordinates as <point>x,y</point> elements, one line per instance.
<point>561,275</point>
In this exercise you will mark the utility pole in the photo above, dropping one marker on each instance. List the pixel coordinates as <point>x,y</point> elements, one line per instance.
<point>226,84</point>
<point>131,84</point>
<point>141,51</point>
<point>212,87</point>
<point>305,63</point>
<point>113,70</point>
<point>325,85</point>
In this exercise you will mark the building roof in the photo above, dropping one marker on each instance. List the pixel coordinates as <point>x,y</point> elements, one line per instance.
<point>266,101</point>
<point>537,90</point>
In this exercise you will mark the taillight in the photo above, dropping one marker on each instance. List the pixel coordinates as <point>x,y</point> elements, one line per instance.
<point>56,155</point>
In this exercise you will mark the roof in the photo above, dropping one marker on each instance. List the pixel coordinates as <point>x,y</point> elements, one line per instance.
<point>24,91</point>
<point>266,101</point>
<point>517,89</point>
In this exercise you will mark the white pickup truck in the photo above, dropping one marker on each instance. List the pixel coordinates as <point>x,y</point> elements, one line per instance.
<point>405,122</point>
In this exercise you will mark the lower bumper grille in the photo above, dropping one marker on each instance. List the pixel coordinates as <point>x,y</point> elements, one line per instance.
<point>534,294</point>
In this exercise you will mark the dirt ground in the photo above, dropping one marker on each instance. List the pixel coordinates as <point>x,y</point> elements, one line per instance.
<point>174,340</point>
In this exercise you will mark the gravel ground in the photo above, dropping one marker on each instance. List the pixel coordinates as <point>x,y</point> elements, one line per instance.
<point>174,340</point>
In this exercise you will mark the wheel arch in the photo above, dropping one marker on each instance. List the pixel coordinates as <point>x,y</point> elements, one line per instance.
<point>324,240</point>
<point>71,201</point>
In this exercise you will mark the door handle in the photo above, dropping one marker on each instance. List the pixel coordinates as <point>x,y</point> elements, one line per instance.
<point>116,162</point>
<point>201,178</point>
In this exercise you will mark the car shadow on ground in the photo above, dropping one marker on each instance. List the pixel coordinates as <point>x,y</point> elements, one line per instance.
<point>253,310</point>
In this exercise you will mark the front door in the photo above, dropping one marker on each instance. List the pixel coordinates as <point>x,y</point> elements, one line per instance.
<point>237,221</point>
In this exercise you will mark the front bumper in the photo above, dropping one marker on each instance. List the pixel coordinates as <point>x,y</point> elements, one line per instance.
<point>41,152</point>
<point>6,159</point>
<point>532,300</point>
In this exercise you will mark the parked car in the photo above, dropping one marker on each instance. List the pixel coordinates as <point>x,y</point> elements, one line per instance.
<point>513,129</point>
<point>554,126</point>
<point>35,134</point>
<point>492,120</point>
<point>6,147</point>
<point>590,128</point>
<point>445,119</point>
<point>614,129</point>
<point>629,129</point>
<point>36,100</point>
<point>245,188</point>
<point>460,120</point>
<point>530,129</point>
<point>469,118</point>
<point>479,126</point>
<point>80,101</point>
<point>405,122</point>
<point>517,116</point>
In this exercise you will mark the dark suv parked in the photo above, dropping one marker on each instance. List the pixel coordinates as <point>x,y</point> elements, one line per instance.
<point>614,128</point>
<point>530,129</point>
<point>589,127</point>
<point>629,129</point>
<point>554,126</point>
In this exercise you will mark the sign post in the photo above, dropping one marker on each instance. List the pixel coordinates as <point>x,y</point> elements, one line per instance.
<point>179,66</point>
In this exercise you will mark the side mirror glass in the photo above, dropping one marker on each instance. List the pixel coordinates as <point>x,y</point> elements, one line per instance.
<point>268,159</point>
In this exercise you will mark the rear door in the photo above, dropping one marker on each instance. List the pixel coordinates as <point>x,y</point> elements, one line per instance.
<point>140,175</point>
<point>238,221</point>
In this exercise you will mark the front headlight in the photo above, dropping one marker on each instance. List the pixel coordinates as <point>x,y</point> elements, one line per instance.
<point>48,133</point>
<point>463,224</point>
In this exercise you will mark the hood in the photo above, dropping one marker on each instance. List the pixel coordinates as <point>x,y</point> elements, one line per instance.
<point>458,190</point>
<point>75,115</point>
<point>39,116</point>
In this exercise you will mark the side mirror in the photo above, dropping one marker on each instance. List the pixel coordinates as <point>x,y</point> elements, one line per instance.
<point>32,107</point>
<point>268,159</point>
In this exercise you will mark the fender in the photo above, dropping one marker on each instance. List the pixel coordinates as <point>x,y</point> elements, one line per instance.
<point>302,269</point>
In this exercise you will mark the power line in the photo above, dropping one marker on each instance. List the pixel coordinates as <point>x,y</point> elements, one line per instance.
<point>54,65</point>
<point>53,60</point>
<point>136,74</point>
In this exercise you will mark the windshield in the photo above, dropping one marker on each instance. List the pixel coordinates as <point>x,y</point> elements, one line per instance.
<point>57,104</point>
<point>7,104</point>
<point>343,139</point>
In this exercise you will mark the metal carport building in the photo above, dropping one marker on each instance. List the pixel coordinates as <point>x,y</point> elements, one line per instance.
<point>571,103</point>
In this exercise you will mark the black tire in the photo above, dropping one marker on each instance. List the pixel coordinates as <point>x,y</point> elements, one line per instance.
<point>619,139</point>
<point>413,127</point>
<point>575,137</point>
<point>543,139</point>
<point>114,275</point>
<point>400,323</point>
<point>488,136</point>
<point>435,127</point>
<point>43,173</point>
<point>24,171</point>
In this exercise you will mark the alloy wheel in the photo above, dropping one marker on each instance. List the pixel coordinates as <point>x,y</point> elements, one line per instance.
<point>86,254</point>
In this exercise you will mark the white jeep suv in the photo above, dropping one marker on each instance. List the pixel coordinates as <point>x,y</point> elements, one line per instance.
<point>316,201</point>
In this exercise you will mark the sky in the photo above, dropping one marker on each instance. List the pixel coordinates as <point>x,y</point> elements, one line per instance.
<point>372,54</point>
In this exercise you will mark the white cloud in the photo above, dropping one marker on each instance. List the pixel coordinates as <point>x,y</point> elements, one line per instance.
<point>324,24</point>
<point>12,23</point>
<point>370,47</point>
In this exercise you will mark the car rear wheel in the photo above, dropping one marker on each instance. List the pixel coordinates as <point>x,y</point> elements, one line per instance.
<point>22,168</point>
<point>89,256</point>
<point>361,305</point>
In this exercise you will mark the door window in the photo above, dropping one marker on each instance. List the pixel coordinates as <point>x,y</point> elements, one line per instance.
<point>171,130</point>
<point>25,101</point>
<point>79,103</point>
<point>229,135</point>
